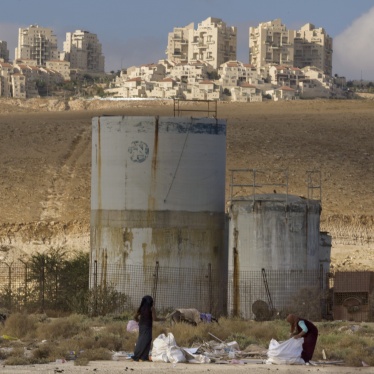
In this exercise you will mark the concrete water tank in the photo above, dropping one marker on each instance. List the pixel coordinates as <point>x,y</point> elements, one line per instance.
<point>274,244</point>
<point>157,199</point>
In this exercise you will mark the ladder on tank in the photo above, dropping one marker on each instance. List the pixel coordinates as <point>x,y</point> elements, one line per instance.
<point>314,183</point>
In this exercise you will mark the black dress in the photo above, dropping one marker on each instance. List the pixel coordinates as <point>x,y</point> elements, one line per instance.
<point>310,340</point>
<point>143,345</point>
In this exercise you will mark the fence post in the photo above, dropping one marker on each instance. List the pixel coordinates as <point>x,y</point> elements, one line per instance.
<point>42,284</point>
<point>10,286</point>
<point>155,283</point>
<point>26,284</point>
<point>210,288</point>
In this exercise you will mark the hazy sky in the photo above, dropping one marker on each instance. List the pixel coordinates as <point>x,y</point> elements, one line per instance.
<point>135,32</point>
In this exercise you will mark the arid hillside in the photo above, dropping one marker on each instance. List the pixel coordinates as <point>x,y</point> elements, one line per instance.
<point>46,157</point>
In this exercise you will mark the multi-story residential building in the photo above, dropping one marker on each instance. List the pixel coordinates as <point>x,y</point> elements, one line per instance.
<point>32,76</point>
<point>36,43</point>
<point>234,73</point>
<point>203,90</point>
<point>286,76</point>
<point>178,44</point>
<point>4,52</point>
<point>212,42</point>
<point>61,67</point>
<point>191,72</point>
<point>25,61</point>
<point>148,72</point>
<point>84,52</point>
<point>19,86</point>
<point>167,64</point>
<point>313,47</point>
<point>315,84</point>
<point>165,89</point>
<point>6,71</point>
<point>271,43</point>
<point>246,92</point>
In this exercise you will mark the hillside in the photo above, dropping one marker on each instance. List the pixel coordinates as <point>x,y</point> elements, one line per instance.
<point>46,156</point>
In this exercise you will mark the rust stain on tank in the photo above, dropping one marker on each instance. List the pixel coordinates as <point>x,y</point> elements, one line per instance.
<point>151,197</point>
<point>104,267</point>
<point>127,238</point>
<point>98,217</point>
<point>98,162</point>
<point>236,298</point>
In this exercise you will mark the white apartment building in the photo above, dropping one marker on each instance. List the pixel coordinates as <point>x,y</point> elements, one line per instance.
<point>32,75</point>
<point>191,72</point>
<point>246,92</point>
<point>4,52</point>
<point>313,47</point>
<point>25,61</point>
<point>165,89</point>
<point>84,52</point>
<point>148,72</point>
<point>36,43</point>
<point>234,73</point>
<point>203,90</point>
<point>61,67</point>
<point>212,42</point>
<point>315,84</point>
<point>271,43</point>
<point>286,76</point>
<point>178,44</point>
<point>19,86</point>
<point>6,71</point>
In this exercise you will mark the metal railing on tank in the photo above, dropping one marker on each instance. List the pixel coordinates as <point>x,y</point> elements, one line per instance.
<point>246,182</point>
<point>198,106</point>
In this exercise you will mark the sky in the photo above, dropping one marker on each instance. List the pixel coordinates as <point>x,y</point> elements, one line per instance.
<point>136,32</point>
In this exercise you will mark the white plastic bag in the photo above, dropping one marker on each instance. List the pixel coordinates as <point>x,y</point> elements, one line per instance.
<point>287,352</point>
<point>132,326</point>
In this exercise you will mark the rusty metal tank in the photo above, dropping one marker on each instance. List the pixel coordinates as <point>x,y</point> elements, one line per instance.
<point>157,198</point>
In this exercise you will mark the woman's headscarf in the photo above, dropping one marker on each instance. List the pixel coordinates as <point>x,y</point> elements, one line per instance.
<point>146,304</point>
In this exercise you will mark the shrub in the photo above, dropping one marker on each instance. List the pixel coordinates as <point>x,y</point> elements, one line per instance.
<point>104,300</point>
<point>20,325</point>
<point>63,327</point>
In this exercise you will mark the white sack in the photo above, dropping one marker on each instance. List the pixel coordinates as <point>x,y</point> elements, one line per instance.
<point>162,352</point>
<point>287,352</point>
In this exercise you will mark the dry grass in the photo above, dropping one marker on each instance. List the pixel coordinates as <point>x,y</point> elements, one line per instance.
<point>20,325</point>
<point>84,339</point>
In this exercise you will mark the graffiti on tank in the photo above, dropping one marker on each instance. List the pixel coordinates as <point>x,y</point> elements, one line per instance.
<point>139,151</point>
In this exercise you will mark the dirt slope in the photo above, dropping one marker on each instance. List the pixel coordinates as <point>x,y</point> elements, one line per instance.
<point>46,157</point>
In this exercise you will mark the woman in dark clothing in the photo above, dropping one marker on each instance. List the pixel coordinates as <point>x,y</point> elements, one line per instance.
<point>302,328</point>
<point>145,315</point>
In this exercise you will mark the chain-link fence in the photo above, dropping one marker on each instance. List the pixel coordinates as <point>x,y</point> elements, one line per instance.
<point>264,294</point>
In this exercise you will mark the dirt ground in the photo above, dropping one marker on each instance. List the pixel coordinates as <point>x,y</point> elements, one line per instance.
<point>115,367</point>
<point>46,161</point>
